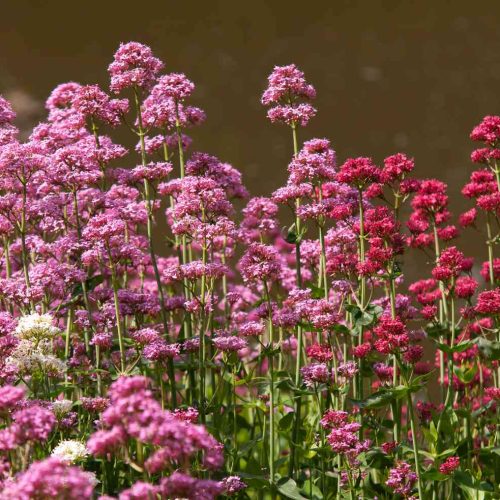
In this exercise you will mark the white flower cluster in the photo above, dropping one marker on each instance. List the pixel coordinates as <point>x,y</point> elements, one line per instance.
<point>70,451</point>
<point>62,407</point>
<point>36,327</point>
<point>34,353</point>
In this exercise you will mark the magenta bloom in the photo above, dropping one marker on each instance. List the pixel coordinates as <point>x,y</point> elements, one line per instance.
<point>286,83</point>
<point>51,478</point>
<point>487,131</point>
<point>133,66</point>
<point>401,479</point>
<point>176,86</point>
<point>488,302</point>
<point>449,465</point>
<point>10,396</point>
<point>260,263</point>
<point>315,163</point>
<point>7,114</point>
<point>359,172</point>
<point>228,343</point>
<point>91,101</point>
<point>396,167</point>
<point>286,88</point>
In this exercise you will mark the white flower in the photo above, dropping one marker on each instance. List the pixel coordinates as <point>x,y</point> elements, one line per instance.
<point>36,327</point>
<point>61,407</point>
<point>70,451</point>
<point>29,357</point>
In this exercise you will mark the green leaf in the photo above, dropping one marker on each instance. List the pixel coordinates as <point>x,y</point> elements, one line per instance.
<point>488,349</point>
<point>377,459</point>
<point>341,329</point>
<point>317,292</point>
<point>286,421</point>
<point>435,331</point>
<point>434,475</point>
<point>465,374</point>
<point>311,490</point>
<point>291,237</point>
<point>456,348</point>
<point>466,480</point>
<point>382,398</point>
<point>90,283</point>
<point>422,379</point>
<point>289,489</point>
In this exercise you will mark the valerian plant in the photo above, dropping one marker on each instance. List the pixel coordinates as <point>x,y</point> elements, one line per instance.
<point>222,355</point>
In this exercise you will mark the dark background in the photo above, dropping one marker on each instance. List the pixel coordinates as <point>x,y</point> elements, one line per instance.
<point>412,76</point>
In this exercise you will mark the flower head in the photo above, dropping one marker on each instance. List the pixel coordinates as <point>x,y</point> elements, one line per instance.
<point>133,66</point>
<point>70,451</point>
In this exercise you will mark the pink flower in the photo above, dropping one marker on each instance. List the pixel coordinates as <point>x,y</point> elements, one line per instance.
<point>134,66</point>
<point>287,82</point>
<point>9,397</point>
<point>260,263</point>
<point>229,343</point>
<point>175,85</point>
<point>317,373</point>
<point>180,485</point>
<point>488,302</point>
<point>319,352</point>
<point>449,465</point>
<point>232,484</point>
<point>140,491</point>
<point>34,423</point>
<point>6,112</point>
<point>396,167</point>
<point>401,479</point>
<point>287,86</point>
<point>292,115</point>
<point>465,287</point>
<point>358,172</point>
<point>487,131</point>
<point>91,101</point>
<point>468,218</point>
<point>50,478</point>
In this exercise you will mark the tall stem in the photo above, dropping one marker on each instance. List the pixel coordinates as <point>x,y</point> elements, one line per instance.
<point>22,230</point>
<point>300,339</point>
<point>86,301</point>
<point>448,404</point>
<point>271,376</point>
<point>358,385</point>
<point>489,243</point>
<point>395,404</point>
<point>415,447</point>
<point>114,280</point>
<point>202,349</point>
<point>442,313</point>
<point>150,223</point>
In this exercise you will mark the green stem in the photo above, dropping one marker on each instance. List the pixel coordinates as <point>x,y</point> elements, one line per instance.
<point>358,382</point>
<point>271,382</point>
<point>149,225</point>
<point>300,339</point>
<point>85,294</point>
<point>22,230</point>
<point>489,243</point>
<point>415,447</point>
<point>202,349</point>
<point>114,281</point>
<point>442,313</point>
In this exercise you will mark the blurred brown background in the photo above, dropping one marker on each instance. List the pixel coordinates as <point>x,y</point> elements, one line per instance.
<point>412,76</point>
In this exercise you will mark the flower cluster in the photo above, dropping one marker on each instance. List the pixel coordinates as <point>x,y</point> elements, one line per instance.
<point>164,335</point>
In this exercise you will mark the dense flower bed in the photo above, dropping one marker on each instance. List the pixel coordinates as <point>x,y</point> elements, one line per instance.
<point>224,355</point>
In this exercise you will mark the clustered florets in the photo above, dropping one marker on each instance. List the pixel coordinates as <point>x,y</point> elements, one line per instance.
<point>233,346</point>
